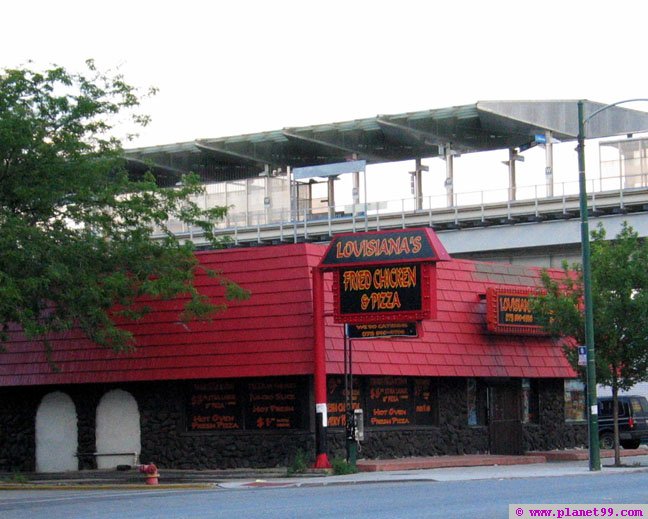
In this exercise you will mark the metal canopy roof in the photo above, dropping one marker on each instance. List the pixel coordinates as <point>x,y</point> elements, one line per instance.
<point>484,126</point>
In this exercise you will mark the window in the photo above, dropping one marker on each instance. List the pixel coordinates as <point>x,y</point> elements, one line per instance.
<point>530,401</point>
<point>253,404</point>
<point>476,400</point>
<point>574,401</point>
<point>400,401</point>
<point>336,400</point>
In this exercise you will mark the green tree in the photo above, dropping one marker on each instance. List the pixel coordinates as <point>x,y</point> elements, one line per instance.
<point>76,245</point>
<point>620,309</point>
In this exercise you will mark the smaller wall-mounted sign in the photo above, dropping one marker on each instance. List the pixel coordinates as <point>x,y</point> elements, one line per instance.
<point>509,311</point>
<point>378,330</point>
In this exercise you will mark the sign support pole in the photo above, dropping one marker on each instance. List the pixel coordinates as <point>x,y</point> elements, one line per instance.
<point>321,420</point>
<point>351,446</point>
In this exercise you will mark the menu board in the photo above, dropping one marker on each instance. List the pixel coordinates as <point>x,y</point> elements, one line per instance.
<point>393,401</point>
<point>388,402</point>
<point>214,406</point>
<point>336,398</point>
<point>275,404</point>
<point>253,404</point>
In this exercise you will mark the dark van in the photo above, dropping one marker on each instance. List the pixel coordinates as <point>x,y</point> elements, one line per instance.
<point>633,421</point>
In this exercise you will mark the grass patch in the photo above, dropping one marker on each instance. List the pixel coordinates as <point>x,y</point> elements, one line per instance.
<point>16,477</point>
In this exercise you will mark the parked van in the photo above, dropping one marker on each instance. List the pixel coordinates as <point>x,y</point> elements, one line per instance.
<point>633,421</point>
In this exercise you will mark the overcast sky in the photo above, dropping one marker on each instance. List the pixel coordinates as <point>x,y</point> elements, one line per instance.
<point>231,67</point>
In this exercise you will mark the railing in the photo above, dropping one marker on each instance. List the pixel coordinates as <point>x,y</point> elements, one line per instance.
<point>477,207</point>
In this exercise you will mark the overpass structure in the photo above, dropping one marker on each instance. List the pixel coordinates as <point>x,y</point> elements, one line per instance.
<point>268,179</point>
<point>541,232</point>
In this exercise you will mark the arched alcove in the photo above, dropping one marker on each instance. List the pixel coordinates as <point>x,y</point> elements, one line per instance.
<point>56,434</point>
<point>118,429</point>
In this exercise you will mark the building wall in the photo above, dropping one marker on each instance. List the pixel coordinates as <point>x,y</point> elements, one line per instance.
<point>552,431</point>
<point>452,435</point>
<point>166,442</point>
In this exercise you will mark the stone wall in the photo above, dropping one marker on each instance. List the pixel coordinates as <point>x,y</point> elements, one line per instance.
<point>17,429</point>
<point>453,435</point>
<point>551,431</point>
<point>166,442</point>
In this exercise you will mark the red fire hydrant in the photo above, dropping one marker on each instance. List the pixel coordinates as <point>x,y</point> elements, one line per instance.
<point>150,471</point>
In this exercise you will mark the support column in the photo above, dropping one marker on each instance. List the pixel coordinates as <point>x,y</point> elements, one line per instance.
<point>513,156</point>
<point>355,193</point>
<point>417,183</point>
<point>449,180</point>
<point>266,193</point>
<point>330,186</point>
<point>356,188</point>
<point>549,163</point>
<point>294,196</point>
<point>319,379</point>
<point>247,201</point>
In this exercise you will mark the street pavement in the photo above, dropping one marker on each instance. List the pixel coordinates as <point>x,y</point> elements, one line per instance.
<point>535,470</point>
<point>95,480</point>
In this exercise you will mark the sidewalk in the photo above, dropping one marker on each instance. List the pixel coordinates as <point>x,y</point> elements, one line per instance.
<point>438,468</point>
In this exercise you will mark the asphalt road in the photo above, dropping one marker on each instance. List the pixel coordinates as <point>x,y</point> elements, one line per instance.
<point>456,499</point>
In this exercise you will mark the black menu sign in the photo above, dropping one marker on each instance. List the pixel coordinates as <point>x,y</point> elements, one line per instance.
<point>275,404</point>
<point>388,402</point>
<point>214,406</point>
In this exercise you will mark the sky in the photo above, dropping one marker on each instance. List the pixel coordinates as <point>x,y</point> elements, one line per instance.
<point>233,67</point>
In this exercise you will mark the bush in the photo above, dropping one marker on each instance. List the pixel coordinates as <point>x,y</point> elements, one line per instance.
<point>299,464</point>
<point>341,467</point>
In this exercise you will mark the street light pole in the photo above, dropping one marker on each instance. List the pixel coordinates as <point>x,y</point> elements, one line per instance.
<point>592,407</point>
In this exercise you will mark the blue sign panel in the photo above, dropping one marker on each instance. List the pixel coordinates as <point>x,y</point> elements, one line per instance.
<point>329,170</point>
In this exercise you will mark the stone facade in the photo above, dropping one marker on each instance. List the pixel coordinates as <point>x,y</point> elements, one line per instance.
<point>552,431</point>
<point>166,442</point>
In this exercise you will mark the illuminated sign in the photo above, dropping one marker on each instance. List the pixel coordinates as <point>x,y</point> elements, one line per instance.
<point>379,247</point>
<point>385,293</point>
<point>509,312</point>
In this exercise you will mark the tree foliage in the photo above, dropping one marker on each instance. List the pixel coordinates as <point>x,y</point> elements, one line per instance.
<point>620,309</point>
<point>76,245</point>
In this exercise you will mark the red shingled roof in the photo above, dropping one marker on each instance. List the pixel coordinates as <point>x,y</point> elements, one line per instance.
<point>456,343</point>
<point>272,332</point>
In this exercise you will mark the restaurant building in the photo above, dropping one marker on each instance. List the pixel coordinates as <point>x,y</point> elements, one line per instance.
<point>468,371</point>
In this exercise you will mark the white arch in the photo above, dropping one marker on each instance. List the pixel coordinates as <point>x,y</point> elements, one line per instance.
<point>118,429</point>
<point>56,434</point>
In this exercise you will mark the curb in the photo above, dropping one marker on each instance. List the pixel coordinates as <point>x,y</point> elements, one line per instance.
<point>113,486</point>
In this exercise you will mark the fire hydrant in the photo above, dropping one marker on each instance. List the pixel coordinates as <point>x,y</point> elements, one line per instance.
<point>150,471</point>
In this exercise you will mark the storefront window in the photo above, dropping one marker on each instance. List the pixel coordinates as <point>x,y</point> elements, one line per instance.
<point>405,401</point>
<point>530,401</point>
<point>336,398</point>
<point>574,401</point>
<point>253,405</point>
<point>476,400</point>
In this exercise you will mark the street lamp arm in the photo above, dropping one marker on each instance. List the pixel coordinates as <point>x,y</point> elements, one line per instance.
<point>603,108</point>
